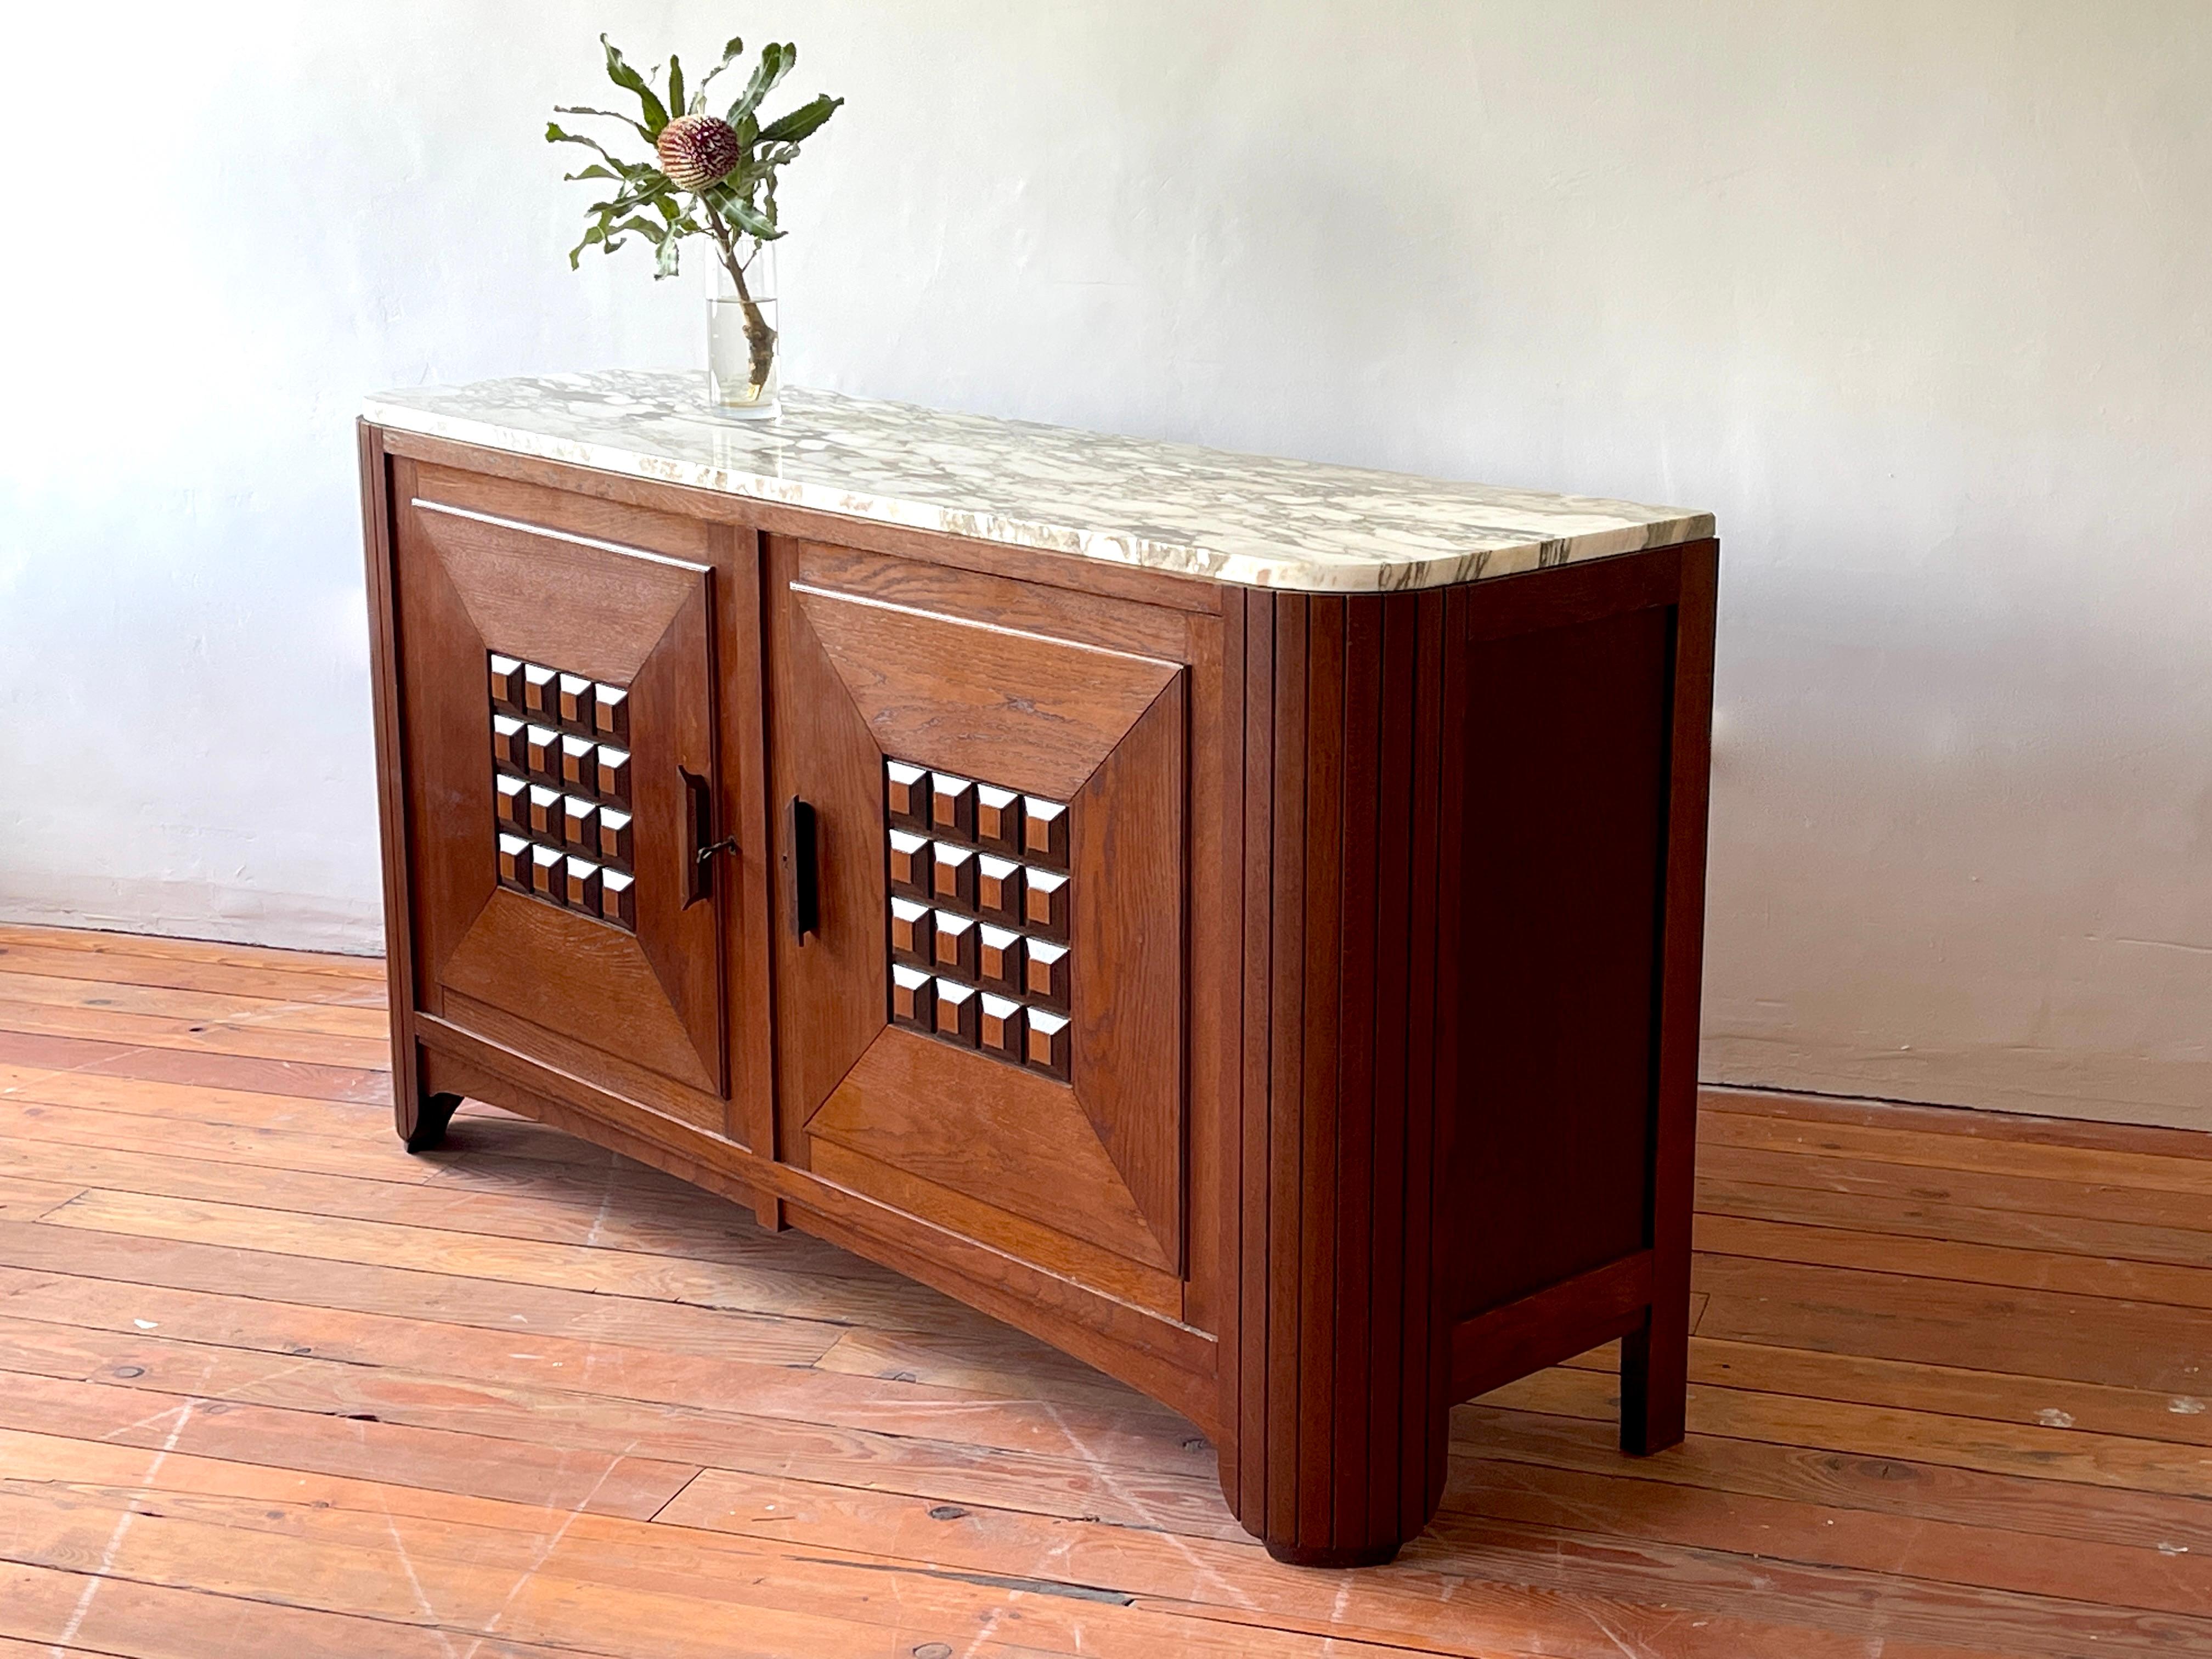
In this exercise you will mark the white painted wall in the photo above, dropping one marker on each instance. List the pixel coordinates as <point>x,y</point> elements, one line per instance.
<point>1913,294</point>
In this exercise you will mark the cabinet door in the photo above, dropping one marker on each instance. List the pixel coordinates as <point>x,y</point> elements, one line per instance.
<point>558,709</point>
<point>984,792</point>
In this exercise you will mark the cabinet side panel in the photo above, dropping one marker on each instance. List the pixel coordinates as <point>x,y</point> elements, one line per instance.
<point>1558,936</point>
<point>390,785</point>
<point>1655,1359</point>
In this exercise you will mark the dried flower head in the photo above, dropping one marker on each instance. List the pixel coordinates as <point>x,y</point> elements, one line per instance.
<point>698,150</point>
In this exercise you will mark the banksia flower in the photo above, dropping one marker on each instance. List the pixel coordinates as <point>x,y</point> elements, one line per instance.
<point>698,150</point>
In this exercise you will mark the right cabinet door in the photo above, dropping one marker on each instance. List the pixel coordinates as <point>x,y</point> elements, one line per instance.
<point>982,791</point>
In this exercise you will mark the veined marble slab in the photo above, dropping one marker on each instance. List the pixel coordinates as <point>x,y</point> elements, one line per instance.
<point>1245,519</point>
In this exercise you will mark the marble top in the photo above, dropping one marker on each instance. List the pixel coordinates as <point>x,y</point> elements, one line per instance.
<point>1210,513</point>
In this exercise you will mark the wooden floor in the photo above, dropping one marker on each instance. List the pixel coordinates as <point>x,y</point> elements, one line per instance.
<point>271,1388</point>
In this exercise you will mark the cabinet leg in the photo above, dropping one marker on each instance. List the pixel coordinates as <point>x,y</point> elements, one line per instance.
<point>1655,1363</point>
<point>1350,1490</point>
<point>1328,1558</point>
<point>425,1127</point>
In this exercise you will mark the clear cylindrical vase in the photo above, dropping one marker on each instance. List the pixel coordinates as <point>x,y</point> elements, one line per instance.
<point>745,346</point>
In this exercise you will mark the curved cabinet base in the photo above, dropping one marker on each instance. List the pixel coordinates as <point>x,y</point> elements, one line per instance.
<point>1329,1560</point>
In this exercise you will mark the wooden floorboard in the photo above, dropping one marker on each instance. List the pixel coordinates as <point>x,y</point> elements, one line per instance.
<point>131,947</point>
<point>206,1065</point>
<point>111,970</point>
<point>269,1387</point>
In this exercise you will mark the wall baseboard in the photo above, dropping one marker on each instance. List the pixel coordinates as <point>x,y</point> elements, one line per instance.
<point>168,910</point>
<point>2087,1085</point>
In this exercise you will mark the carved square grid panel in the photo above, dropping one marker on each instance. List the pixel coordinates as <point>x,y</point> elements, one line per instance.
<point>560,751</point>
<point>979,909</point>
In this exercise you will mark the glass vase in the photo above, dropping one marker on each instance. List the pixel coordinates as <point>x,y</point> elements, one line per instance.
<point>745,345</point>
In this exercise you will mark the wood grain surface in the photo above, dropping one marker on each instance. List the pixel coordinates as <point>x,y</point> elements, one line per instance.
<point>269,1386</point>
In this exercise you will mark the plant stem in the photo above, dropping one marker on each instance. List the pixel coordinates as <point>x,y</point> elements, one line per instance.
<point>760,339</point>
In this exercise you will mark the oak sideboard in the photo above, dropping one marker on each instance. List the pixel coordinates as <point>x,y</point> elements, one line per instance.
<point>1237,920</point>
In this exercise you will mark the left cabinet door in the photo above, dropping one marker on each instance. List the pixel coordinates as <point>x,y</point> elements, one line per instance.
<point>563,784</point>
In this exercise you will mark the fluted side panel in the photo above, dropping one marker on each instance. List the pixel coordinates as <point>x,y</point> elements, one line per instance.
<point>1338,1376</point>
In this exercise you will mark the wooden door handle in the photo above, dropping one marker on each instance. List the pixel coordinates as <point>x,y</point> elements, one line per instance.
<point>699,845</point>
<point>801,880</point>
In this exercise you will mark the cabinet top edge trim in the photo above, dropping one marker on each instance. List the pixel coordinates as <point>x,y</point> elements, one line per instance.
<point>1057,641</point>
<point>429,504</point>
<point>1244,520</point>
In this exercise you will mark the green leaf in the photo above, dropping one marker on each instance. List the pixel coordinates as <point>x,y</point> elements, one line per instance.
<point>639,181</point>
<point>675,86</point>
<point>596,233</point>
<point>554,135</point>
<point>626,203</point>
<point>611,236</point>
<point>664,259</point>
<point>729,51</point>
<point>800,123</point>
<point>594,171</point>
<point>735,209</point>
<point>578,109</point>
<point>776,62</point>
<point>632,170</point>
<point>620,72</point>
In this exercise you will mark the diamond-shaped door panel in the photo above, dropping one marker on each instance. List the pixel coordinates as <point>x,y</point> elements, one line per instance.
<point>555,841</point>
<point>995,996</point>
